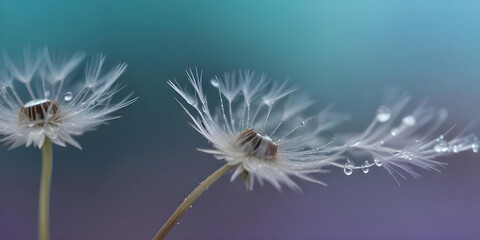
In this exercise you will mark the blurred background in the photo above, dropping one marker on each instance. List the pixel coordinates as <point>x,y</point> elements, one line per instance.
<point>134,172</point>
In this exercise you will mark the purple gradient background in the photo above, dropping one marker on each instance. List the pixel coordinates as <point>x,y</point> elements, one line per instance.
<point>134,172</point>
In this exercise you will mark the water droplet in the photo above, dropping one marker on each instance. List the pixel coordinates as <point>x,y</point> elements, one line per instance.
<point>219,157</point>
<point>409,120</point>
<point>348,168</point>
<point>68,96</point>
<point>394,132</point>
<point>441,147</point>
<point>455,148</point>
<point>3,90</point>
<point>475,147</point>
<point>383,114</point>
<point>377,162</point>
<point>47,94</point>
<point>302,123</point>
<point>365,167</point>
<point>406,155</point>
<point>214,83</point>
<point>380,144</point>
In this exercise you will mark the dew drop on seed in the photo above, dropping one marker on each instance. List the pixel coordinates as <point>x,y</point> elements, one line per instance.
<point>68,96</point>
<point>377,162</point>
<point>3,90</point>
<point>347,170</point>
<point>406,156</point>
<point>441,147</point>
<point>214,83</point>
<point>365,167</point>
<point>475,147</point>
<point>409,120</point>
<point>383,114</point>
<point>302,123</point>
<point>455,148</point>
<point>348,167</point>
<point>47,94</point>
<point>394,132</point>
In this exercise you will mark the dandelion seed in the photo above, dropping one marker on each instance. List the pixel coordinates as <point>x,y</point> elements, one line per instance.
<point>261,130</point>
<point>411,142</point>
<point>39,107</point>
<point>52,108</point>
<point>251,131</point>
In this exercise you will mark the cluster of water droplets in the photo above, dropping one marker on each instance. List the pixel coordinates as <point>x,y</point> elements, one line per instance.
<point>365,167</point>
<point>443,146</point>
<point>384,114</point>
<point>3,91</point>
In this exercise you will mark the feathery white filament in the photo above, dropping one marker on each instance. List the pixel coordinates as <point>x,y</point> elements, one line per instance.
<point>397,141</point>
<point>246,131</point>
<point>52,106</point>
<point>262,130</point>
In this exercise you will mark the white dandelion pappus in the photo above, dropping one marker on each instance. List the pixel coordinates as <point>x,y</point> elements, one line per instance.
<point>399,141</point>
<point>42,98</point>
<point>260,128</point>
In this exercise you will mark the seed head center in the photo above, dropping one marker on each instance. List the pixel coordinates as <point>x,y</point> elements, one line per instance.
<point>255,144</point>
<point>38,109</point>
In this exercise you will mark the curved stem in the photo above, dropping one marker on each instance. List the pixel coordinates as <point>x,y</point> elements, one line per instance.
<point>44,199</point>
<point>173,219</point>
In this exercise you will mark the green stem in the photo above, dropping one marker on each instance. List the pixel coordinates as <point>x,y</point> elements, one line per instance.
<point>187,203</point>
<point>44,199</point>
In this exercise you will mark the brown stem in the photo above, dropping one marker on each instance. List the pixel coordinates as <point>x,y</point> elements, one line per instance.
<point>173,219</point>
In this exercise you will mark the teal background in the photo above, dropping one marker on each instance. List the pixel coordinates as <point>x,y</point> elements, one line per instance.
<point>134,171</point>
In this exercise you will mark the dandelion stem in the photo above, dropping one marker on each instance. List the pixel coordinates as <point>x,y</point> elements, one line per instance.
<point>44,199</point>
<point>187,203</point>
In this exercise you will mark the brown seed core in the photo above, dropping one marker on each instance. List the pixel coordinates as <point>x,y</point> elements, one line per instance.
<point>257,145</point>
<point>37,109</point>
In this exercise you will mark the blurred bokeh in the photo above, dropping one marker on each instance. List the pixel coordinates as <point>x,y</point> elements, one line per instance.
<point>134,171</point>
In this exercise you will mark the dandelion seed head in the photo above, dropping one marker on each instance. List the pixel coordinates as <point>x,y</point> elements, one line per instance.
<point>264,129</point>
<point>43,96</point>
<point>405,139</point>
<point>260,126</point>
<point>256,145</point>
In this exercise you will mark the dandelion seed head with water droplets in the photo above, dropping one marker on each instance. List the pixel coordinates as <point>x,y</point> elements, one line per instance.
<point>260,127</point>
<point>398,139</point>
<point>42,97</point>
